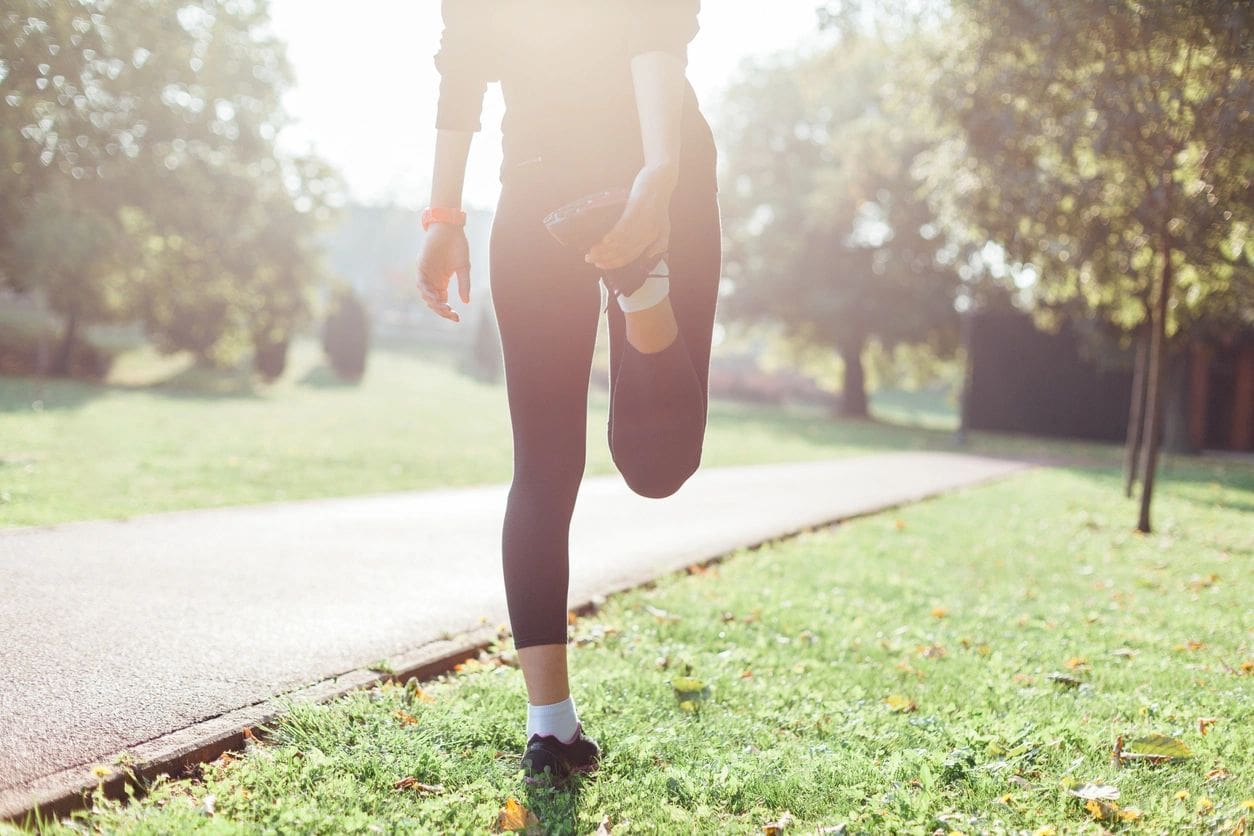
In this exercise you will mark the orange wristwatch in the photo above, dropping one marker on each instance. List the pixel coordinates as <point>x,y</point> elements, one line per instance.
<point>442,215</point>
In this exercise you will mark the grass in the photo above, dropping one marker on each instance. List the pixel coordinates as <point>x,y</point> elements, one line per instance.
<point>892,674</point>
<point>165,436</point>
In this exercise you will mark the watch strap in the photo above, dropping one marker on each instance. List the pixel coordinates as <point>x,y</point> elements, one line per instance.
<point>442,215</point>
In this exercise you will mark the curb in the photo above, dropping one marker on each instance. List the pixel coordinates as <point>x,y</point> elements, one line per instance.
<point>178,753</point>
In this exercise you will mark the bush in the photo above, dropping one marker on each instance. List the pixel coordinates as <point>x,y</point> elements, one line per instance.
<point>346,335</point>
<point>270,357</point>
<point>19,355</point>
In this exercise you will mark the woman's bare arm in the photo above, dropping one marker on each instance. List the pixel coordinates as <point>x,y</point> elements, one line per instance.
<point>658,78</point>
<point>445,250</point>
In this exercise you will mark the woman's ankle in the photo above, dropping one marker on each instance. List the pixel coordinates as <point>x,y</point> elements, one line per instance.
<point>653,329</point>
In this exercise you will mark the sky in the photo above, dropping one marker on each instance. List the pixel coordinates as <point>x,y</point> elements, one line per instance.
<point>366,85</point>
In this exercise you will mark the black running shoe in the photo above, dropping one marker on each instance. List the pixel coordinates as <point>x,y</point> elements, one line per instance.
<point>549,760</point>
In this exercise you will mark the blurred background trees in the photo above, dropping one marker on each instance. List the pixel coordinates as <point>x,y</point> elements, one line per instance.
<point>1108,147</point>
<point>828,234</point>
<point>916,168</point>
<point>139,174</point>
<point>1083,162</point>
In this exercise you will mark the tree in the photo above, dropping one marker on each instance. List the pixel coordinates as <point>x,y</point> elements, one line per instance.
<point>171,108</point>
<point>827,234</point>
<point>1107,145</point>
<point>71,243</point>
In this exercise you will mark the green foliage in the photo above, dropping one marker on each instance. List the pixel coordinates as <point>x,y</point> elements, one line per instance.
<point>1092,138</point>
<point>146,133</point>
<point>346,335</point>
<point>826,233</point>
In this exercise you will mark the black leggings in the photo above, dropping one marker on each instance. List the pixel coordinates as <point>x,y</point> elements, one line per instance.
<point>548,304</point>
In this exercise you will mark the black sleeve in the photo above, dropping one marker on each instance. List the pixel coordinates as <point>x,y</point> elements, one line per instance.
<point>463,62</point>
<point>663,25</point>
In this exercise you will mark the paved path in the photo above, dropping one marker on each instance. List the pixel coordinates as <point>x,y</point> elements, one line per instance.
<point>113,633</point>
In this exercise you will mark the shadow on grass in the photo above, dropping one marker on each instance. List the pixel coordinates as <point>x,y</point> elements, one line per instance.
<point>1199,481</point>
<point>557,807</point>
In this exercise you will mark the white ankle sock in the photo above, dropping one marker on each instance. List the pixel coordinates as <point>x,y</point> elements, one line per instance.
<point>653,291</point>
<point>556,718</point>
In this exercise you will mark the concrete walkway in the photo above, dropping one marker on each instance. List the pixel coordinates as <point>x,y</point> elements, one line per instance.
<point>116,634</point>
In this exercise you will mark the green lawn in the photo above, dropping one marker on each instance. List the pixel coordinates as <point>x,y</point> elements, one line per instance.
<point>164,436</point>
<point>957,665</point>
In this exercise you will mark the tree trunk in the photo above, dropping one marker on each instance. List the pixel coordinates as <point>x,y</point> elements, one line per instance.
<point>853,393</point>
<point>1154,386</point>
<point>1136,411</point>
<point>61,360</point>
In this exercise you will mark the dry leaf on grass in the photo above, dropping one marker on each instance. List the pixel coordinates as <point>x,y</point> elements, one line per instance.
<point>411,783</point>
<point>1064,680</point>
<point>899,703</point>
<point>775,828</point>
<point>514,816</point>
<point>1152,748</point>
<point>1091,790</point>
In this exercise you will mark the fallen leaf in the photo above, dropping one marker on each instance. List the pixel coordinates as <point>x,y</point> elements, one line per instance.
<point>900,703</point>
<point>900,524</point>
<point>514,816</point>
<point>1155,748</point>
<point>939,612</point>
<point>1064,680</point>
<point>689,691</point>
<point>777,827</point>
<point>1091,790</point>
<point>1102,810</point>
<point>411,783</point>
<point>405,718</point>
<point>660,614</point>
<point>1204,724</point>
<point>603,829</point>
<point>1077,662</point>
<point>1200,582</point>
<point>931,651</point>
<point>1218,774</point>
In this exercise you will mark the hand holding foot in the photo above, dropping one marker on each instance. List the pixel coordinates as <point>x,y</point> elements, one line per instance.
<point>645,225</point>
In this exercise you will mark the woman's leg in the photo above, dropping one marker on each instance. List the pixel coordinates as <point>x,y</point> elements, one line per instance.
<point>659,399</point>
<point>548,305</point>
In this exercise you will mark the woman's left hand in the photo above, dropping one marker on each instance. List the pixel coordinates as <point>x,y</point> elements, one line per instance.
<point>645,226</point>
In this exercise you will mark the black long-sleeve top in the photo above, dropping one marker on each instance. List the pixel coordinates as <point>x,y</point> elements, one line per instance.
<point>565,72</point>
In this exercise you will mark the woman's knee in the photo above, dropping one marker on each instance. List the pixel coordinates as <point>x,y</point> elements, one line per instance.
<point>658,478</point>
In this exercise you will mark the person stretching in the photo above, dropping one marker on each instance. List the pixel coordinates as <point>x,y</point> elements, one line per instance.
<point>596,95</point>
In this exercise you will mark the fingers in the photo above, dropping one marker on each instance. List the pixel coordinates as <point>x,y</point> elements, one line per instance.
<point>435,295</point>
<point>463,284</point>
<point>620,246</point>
